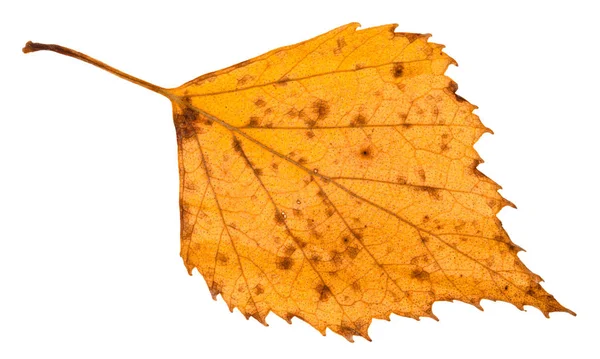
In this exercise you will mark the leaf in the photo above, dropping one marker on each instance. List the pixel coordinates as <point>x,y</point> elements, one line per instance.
<point>335,180</point>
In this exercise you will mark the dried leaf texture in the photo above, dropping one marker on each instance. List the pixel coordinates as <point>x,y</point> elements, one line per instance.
<point>335,181</point>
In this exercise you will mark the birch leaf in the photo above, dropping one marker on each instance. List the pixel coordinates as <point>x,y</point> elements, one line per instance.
<point>335,180</point>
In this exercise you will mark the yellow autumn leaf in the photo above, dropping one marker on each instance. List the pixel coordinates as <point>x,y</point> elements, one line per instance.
<point>335,180</point>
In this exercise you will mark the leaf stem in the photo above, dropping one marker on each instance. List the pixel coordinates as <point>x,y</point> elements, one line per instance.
<point>35,46</point>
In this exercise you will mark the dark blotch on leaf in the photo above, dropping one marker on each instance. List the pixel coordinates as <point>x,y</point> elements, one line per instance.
<point>359,120</point>
<point>253,122</point>
<point>282,81</point>
<point>222,258</point>
<point>352,252</point>
<point>366,153</point>
<point>409,35</point>
<point>453,87</point>
<point>237,145</point>
<point>184,123</point>
<point>434,193</point>
<point>324,292</point>
<point>397,70</point>
<point>279,218</point>
<point>321,109</point>
<point>284,263</point>
<point>420,274</point>
<point>289,250</point>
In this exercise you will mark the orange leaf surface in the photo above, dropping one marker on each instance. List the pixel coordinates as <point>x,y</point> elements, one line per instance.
<point>335,180</point>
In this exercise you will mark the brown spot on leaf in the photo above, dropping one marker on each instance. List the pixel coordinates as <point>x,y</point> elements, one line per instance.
<point>293,112</point>
<point>190,114</point>
<point>453,86</point>
<point>237,145</point>
<point>284,263</point>
<point>215,289</point>
<point>397,69</point>
<point>336,257</point>
<point>206,121</point>
<point>341,43</point>
<point>352,252</point>
<point>253,122</point>
<point>310,122</point>
<point>260,103</point>
<point>279,217</point>
<point>282,81</point>
<point>245,79</point>
<point>258,290</point>
<point>358,120</point>
<point>184,123</point>
<point>258,171</point>
<point>300,243</point>
<point>434,193</point>
<point>320,109</point>
<point>366,153</point>
<point>422,175</point>
<point>323,291</point>
<point>409,35</point>
<point>289,250</point>
<point>310,134</point>
<point>420,274</point>
<point>222,258</point>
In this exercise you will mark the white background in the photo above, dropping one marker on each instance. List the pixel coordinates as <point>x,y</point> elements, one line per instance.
<point>89,232</point>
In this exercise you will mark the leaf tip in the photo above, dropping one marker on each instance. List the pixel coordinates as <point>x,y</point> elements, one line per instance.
<point>508,203</point>
<point>353,25</point>
<point>477,304</point>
